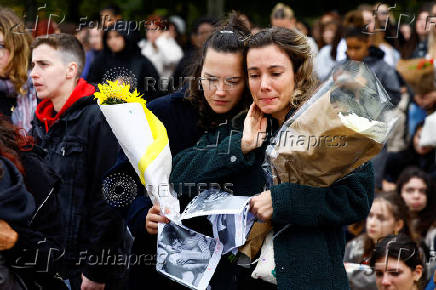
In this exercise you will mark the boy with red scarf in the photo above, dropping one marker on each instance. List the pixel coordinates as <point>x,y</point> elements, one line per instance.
<point>80,146</point>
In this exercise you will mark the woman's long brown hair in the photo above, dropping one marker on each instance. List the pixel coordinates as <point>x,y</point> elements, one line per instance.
<point>229,37</point>
<point>12,140</point>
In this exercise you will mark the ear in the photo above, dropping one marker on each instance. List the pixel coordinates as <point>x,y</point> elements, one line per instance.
<point>398,226</point>
<point>72,70</point>
<point>417,274</point>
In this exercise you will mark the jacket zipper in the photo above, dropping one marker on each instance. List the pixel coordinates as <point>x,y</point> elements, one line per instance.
<point>42,204</point>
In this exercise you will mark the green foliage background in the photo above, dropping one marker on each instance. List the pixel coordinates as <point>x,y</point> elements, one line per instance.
<point>257,10</point>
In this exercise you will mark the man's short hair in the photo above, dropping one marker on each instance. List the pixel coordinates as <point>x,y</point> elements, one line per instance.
<point>282,11</point>
<point>68,45</point>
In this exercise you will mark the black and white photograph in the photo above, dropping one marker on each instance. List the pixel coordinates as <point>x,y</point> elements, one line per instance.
<point>232,229</point>
<point>217,144</point>
<point>215,202</point>
<point>186,256</point>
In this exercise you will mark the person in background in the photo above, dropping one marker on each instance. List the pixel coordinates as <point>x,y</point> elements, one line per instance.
<point>82,37</point>
<point>331,36</point>
<point>422,33</point>
<point>283,16</point>
<point>359,48</point>
<point>383,34</point>
<point>431,45</point>
<point>328,25</point>
<point>388,215</point>
<point>417,191</point>
<point>352,19</point>
<point>368,15</point>
<point>415,155</point>
<point>121,52</point>
<point>177,30</point>
<point>406,31</point>
<point>398,264</point>
<point>420,46</point>
<point>426,100</point>
<point>202,28</point>
<point>93,37</point>
<point>385,21</point>
<point>17,94</point>
<point>161,48</point>
<point>334,46</point>
<point>416,47</point>
<point>423,94</point>
<point>109,15</point>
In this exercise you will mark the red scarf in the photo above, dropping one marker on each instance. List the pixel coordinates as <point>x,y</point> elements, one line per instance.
<point>45,109</point>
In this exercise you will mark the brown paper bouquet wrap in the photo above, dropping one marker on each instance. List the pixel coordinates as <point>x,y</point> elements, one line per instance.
<point>418,73</point>
<point>255,239</point>
<point>342,126</point>
<point>318,149</point>
<point>8,237</point>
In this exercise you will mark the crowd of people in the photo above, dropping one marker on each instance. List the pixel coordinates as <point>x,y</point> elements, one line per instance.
<point>215,90</point>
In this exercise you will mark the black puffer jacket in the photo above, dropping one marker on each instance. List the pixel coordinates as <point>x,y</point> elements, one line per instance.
<point>80,146</point>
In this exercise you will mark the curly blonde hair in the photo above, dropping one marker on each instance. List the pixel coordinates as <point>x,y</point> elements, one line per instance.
<point>17,41</point>
<point>296,46</point>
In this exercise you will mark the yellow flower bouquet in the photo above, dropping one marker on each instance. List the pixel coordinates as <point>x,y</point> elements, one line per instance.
<point>143,139</point>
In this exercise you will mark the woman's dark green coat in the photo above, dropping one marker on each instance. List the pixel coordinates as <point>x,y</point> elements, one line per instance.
<point>217,161</point>
<point>309,253</point>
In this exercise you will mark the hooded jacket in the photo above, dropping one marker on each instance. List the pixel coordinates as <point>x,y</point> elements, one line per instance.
<point>80,146</point>
<point>387,75</point>
<point>109,65</point>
